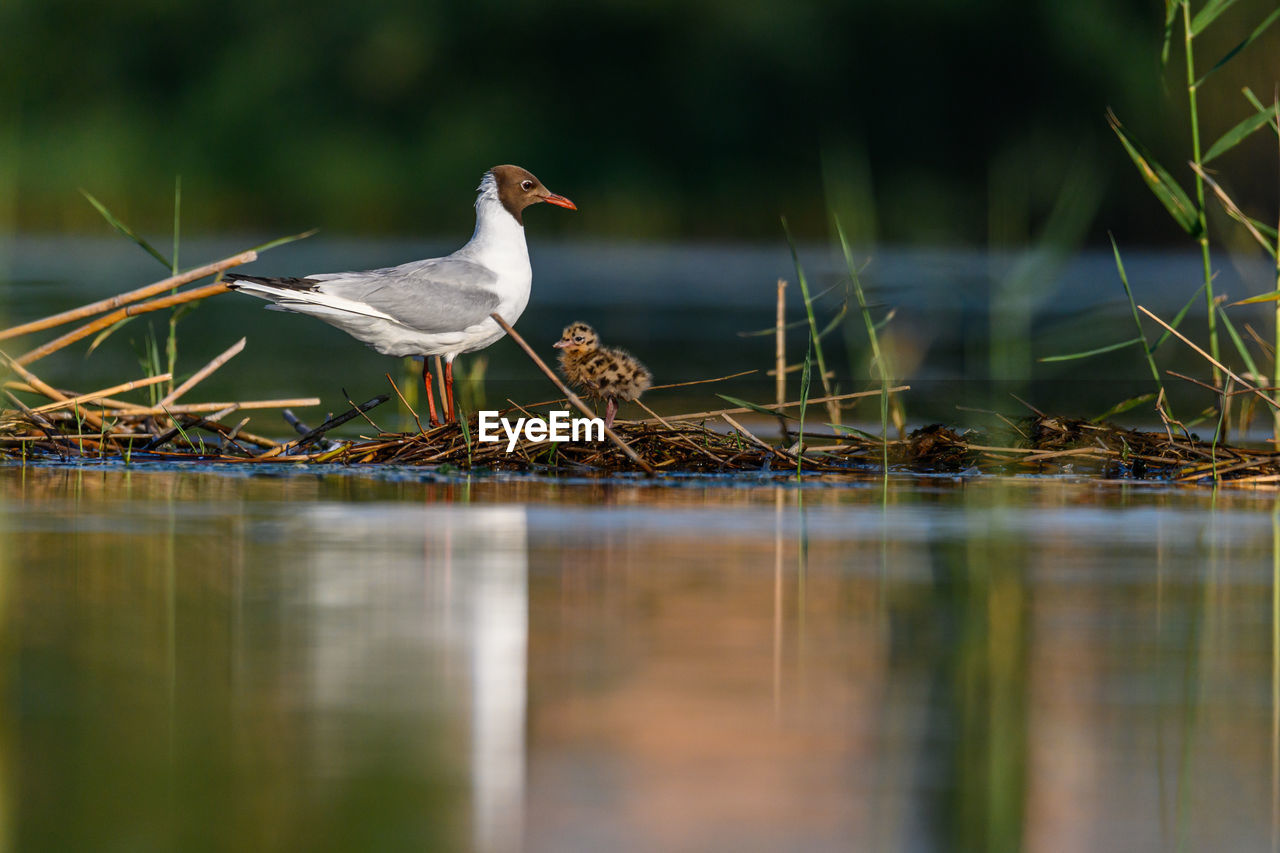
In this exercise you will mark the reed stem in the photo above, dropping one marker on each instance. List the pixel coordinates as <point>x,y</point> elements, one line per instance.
<point>116,316</point>
<point>1200,211</point>
<point>125,298</point>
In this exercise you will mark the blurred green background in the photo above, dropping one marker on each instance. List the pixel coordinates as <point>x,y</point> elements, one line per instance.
<point>933,123</point>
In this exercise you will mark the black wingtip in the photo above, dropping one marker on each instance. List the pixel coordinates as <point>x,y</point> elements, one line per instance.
<point>282,283</point>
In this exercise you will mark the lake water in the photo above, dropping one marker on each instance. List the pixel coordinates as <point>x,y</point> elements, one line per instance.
<point>299,658</point>
<point>317,660</point>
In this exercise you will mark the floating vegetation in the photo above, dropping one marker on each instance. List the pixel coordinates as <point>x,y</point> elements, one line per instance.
<point>96,426</point>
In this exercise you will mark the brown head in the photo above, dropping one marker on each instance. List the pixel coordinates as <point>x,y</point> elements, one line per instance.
<point>577,337</point>
<point>517,188</point>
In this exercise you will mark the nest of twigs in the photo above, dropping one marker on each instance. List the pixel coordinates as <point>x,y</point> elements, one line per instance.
<point>702,442</point>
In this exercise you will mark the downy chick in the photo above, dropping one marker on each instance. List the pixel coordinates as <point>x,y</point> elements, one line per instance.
<point>603,373</point>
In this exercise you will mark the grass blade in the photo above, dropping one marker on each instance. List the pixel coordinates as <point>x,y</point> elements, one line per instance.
<point>1262,297</point>
<point>1234,211</point>
<point>1099,351</point>
<point>1248,40</point>
<point>1177,319</point>
<point>177,220</point>
<point>1170,15</point>
<point>882,367</point>
<point>1147,350</point>
<point>280,241</point>
<point>832,409</point>
<point>171,345</point>
<point>1158,179</point>
<point>1258,105</point>
<point>126,230</point>
<point>794,324</point>
<point>1208,14</point>
<point>755,407</point>
<point>804,404</point>
<point>861,433</point>
<point>1240,347</point>
<point>1123,406</point>
<point>106,333</point>
<point>835,321</point>
<point>1239,133</point>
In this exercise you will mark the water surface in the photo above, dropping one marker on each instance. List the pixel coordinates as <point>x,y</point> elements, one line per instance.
<point>317,660</point>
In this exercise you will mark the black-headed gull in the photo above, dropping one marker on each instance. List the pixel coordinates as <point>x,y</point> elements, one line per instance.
<point>439,306</point>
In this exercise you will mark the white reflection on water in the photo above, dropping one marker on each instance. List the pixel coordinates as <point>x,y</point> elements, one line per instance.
<point>383,580</point>
<point>499,629</point>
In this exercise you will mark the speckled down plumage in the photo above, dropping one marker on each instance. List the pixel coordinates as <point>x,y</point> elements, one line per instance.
<point>602,373</point>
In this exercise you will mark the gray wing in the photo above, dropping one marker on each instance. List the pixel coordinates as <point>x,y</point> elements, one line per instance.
<point>437,295</point>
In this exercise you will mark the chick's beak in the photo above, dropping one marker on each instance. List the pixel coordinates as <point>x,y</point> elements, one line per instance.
<point>560,344</point>
<point>559,201</point>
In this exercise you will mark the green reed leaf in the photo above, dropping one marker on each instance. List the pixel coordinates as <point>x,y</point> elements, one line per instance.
<point>1123,406</point>
<point>1248,40</point>
<point>1209,14</point>
<point>126,230</point>
<point>1099,351</point>
<point>1158,180</point>
<point>1239,133</point>
<point>106,333</point>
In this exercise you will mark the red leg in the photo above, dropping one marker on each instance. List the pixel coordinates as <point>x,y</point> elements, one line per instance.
<point>448,389</point>
<point>426,381</point>
<point>610,409</point>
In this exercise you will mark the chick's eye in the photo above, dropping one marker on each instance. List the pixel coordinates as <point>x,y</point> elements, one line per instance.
<point>577,339</point>
<point>526,185</point>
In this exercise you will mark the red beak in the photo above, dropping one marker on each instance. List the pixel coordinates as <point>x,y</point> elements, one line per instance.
<point>559,201</point>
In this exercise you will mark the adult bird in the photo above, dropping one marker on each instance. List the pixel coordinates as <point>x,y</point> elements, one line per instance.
<point>439,306</point>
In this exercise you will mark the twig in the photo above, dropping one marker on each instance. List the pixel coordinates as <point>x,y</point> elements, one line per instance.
<point>653,387</point>
<point>116,316</point>
<point>105,392</point>
<point>131,296</point>
<point>331,423</point>
<point>569,395</point>
<point>166,437</point>
<point>780,344</point>
<point>1267,349</point>
<point>416,419</point>
<point>773,406</point>
<point>702,381</point>
<point>294,421</point>
<point>1218,391</point>
<point>1168,419</point>
<point>780,356</point>
<point>680,436</point>
<point>42,388</point>
<point>194,408</point>
<point>351,403</point>
<point>1028,405</point>
<point>1210,359</point>
<point>230,353</point>
<point>749,434</point>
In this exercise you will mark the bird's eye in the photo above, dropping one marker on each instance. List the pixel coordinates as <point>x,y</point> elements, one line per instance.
<point>577,339</point>
<point>526,185</point>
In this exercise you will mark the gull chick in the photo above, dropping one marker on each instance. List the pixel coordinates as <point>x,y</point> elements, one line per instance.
<point>439,306</point>
<point>603,373</point>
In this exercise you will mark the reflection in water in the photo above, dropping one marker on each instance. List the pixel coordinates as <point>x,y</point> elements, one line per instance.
<point>332,662</point>
<point>446,581</point>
